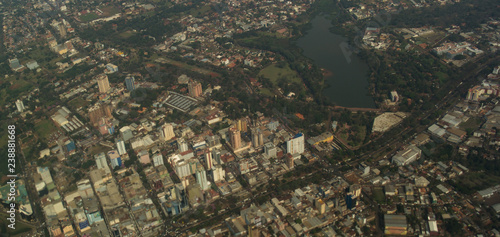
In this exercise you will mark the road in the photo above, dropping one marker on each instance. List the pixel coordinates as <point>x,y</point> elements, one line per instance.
<point>467,80</point>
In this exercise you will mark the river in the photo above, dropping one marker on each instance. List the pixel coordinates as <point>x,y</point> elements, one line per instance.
<point>347,80</point>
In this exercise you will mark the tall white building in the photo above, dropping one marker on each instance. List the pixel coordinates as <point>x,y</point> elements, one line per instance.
<point>201,178</point>
<point>167,131</point>
<point>219,173</point>
<point>208,160</point>
<point>270,150</point>
<point>216,154</point>
<point>100,160</point>
<point>182,169</point>
<point>20,106</point>
<point>126,133</point>
<point>296,144</point>
<point>120,144</point>
<point>182,145</point>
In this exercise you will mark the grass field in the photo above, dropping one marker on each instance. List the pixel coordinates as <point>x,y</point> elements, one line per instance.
<point>98,149</point>
<point>266,91</point>
<point>44,128</point>
<point>89,17</point>
<point>443,77</point>
<point>185,66</point>
<point>274,73</point>
<point>200,11</point>
<point>126,34</point>
<point>15,90</point>
<point>109,11</point>
<point>472,123</point>
<point>20,227</point>
<point>77,103</point>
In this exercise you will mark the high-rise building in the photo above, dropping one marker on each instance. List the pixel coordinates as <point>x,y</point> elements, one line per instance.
<point>99,111</point>
<point>182,145</point>
<point>289,161</point>
<point>167,131</point>
<point>114,159</point>
<point>216,154</point>
<point>257,137</point>
<point>261,138</point>
<point>62,29</point>
<point>182,169</point>
<point>194,89</point>
<point>100,160</point>
<point>201,178</point>
<point>270,150</point>
<point>103,83</point>
<point>242,125</point>
<point>219,173</point>
<point>129,82</point>
<point>126,133</point>
<point>235,138</point>
<point>20,106</point>
<point>208,160</point>
<point>296,144</point>
<point>120,144</point>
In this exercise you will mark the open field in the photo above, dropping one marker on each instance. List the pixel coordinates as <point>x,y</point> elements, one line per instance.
<point>186,66</point>
<point>126,34</point>
<point>266,91</point>
<point>109,11</point>
<point>472,123</point>
<point>77,103</point>
<point>274,73</point>
<point>44,128</point>
<point>200,11</point>
<point>88,17</point>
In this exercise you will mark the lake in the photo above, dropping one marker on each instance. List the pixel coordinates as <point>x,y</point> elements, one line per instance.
<point>347,80</point>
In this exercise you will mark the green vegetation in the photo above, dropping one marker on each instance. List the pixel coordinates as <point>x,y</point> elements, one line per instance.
<point>379,195</point>
<point>77,103</point>
<point>127,34</point>
<point>279,72</point>
<point>20,226</point>
<point>469,11</point>
<point>471,125</point>
<point>98,149</point>
<point>89,17</point>
<point>44,128</point>
<point>109,11</point>
<point>354,135</point>
<point>196,12</point>
<point>470,183</point>
<point>266,91</point>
